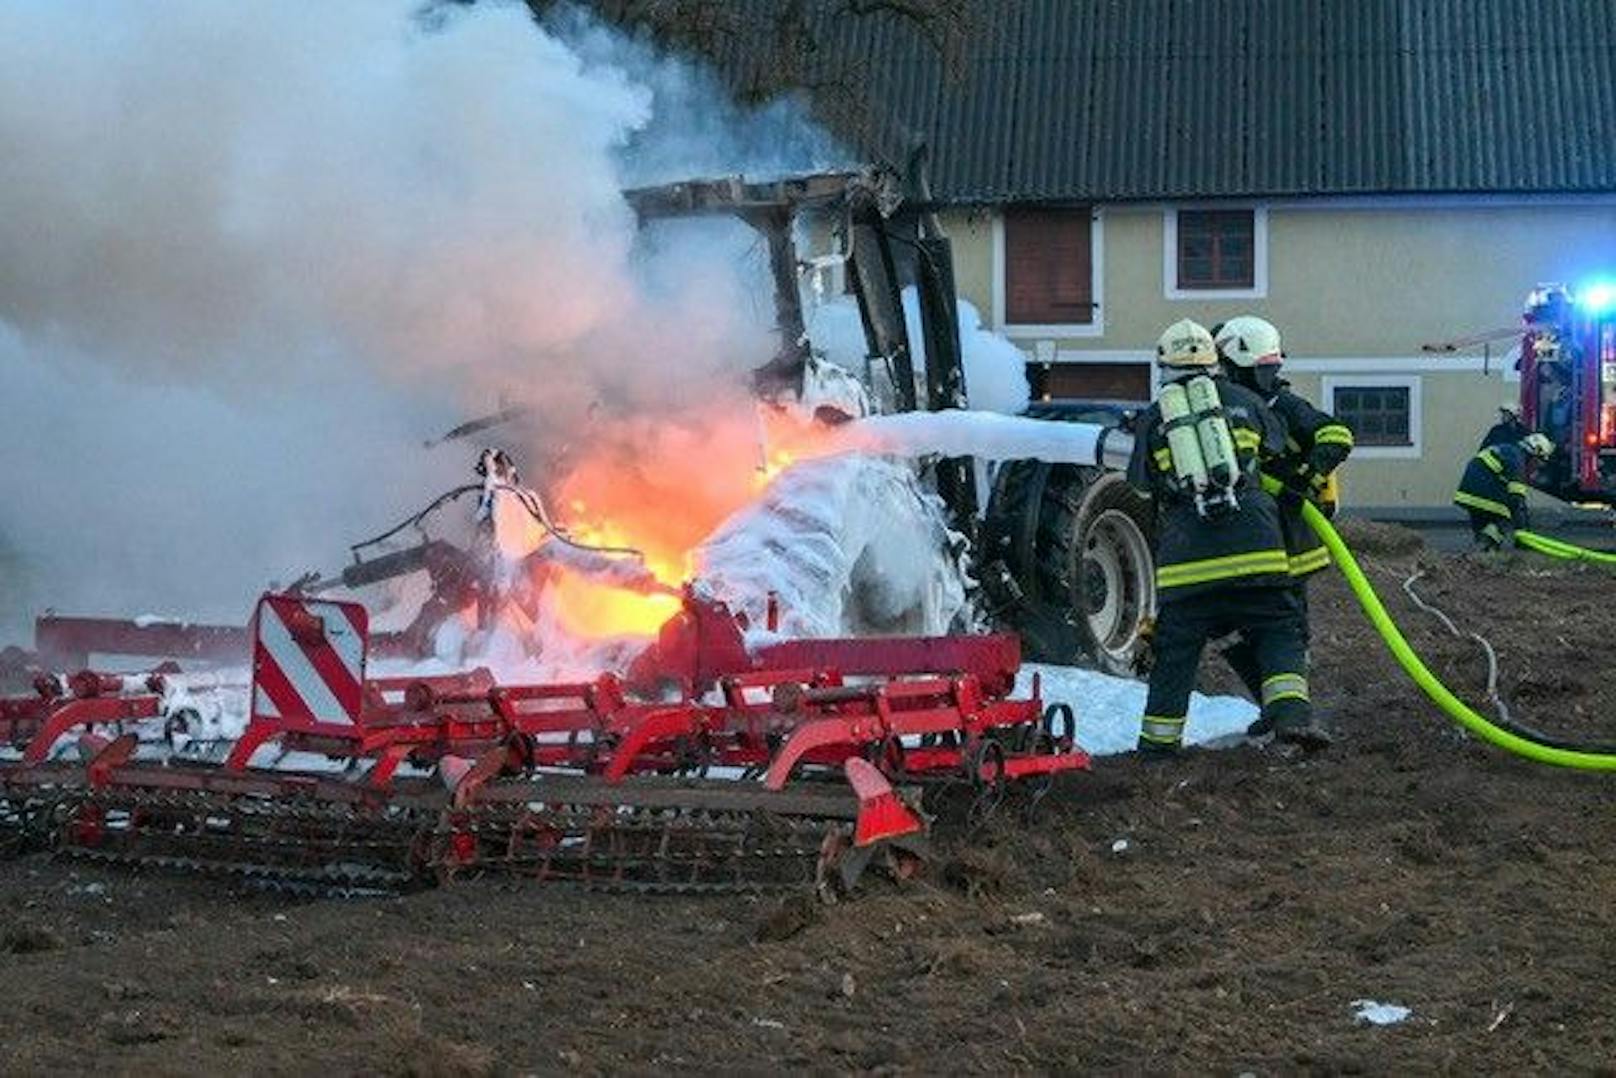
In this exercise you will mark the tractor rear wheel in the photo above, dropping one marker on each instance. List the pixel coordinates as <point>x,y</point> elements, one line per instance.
<point>1077,544</point>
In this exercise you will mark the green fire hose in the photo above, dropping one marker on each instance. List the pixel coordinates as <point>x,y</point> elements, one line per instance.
<point>1558,548</point>
<point>1519,740</point>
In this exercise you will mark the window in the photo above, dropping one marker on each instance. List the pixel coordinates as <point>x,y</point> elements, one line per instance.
<point>1215,253</point>
<point>1378,415</point>
<point>1049,266</point>
<point>1216,249</point>
<point>1089,381</point>
<point>1383,411</point>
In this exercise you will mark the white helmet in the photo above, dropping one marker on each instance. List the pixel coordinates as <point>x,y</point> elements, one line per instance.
<point>1510,409</point>
<point>1246,341</point>
<point>1538,445</point>
<point>1186,345</point>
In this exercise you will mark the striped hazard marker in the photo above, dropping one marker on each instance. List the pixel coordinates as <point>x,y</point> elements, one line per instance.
<point>308,661</point>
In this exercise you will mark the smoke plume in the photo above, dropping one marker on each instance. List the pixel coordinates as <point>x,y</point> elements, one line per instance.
<point>252,256</point>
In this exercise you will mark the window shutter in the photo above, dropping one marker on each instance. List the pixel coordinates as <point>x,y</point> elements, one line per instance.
<point>1048,271</point>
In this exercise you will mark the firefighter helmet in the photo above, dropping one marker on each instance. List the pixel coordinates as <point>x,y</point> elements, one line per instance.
<point>1538,445</point>
<point>1186,345</point>
<point>1547,304</point>
<point>1246,341</point>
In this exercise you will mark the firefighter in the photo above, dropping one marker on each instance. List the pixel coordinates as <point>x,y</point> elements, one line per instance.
<point>1220,555</point>
<point>1509,427</point>
<point>1316,444</point>
<point>1493,489</point>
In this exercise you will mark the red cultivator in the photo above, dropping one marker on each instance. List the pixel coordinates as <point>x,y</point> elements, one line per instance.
<point>711,766</point>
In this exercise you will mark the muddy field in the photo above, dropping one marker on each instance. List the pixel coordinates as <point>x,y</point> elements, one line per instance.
<point>1256,897</point>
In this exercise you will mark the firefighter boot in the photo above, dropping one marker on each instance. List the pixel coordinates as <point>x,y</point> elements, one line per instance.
<point>1286,703</point>
<point>1155,751</point>
<point>1161,737</point>
<point>1306,733</point>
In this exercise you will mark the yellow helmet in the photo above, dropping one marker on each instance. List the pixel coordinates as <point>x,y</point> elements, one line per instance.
<point>1186,345</point>
<point>1538,445</point>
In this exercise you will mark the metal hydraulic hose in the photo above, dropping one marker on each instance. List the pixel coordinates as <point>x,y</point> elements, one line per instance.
<point>1559,548</point>
<point>1530,744</point>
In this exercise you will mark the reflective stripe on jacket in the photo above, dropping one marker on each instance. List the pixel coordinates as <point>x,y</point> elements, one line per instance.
<point>1493,484</point>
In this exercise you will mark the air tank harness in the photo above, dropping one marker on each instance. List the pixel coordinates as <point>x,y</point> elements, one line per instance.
<point>1200,444</point>
<point>1512,737</point>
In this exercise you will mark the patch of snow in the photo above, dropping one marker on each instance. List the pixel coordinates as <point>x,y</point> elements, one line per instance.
<point>1108,708</point>
<point>1379,1014</point>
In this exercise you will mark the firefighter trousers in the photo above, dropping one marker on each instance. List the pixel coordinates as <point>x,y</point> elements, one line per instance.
<point>1241,654</point>
<point>1488,529</point>
<point>1272,619</point>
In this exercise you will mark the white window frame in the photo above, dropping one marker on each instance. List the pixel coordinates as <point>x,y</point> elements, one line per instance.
<point>1259,254</point>
<point>1329,383</point>
<point>1067,331</point>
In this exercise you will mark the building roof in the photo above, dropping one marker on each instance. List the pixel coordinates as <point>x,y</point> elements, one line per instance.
<point>1180,99</point>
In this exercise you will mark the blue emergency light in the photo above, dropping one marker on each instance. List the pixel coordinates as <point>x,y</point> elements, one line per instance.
<point>1597,297</point>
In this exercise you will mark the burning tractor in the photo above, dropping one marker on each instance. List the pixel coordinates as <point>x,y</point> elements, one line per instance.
<point>763,703</point>
<point>1061,544</point>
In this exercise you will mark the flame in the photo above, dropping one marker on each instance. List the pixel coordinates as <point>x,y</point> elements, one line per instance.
<point>591,608</point>
<point>662,489</point>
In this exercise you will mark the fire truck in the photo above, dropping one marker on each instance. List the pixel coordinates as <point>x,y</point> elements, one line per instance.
<point>1568,388</point>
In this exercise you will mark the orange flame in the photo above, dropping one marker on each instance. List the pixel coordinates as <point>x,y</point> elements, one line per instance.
<point>662,489</point>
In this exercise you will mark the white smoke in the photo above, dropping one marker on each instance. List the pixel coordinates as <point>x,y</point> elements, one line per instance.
<point>253,255</point>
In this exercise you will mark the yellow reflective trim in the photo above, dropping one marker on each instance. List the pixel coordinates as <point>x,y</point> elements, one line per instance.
<point>1227,567</point>
<point>1231,564</point>
<point>1227,561</point>
<point>1476,501</point>
<point>1164,459</point>
<point>1310,562</point>
<point>1246,439</point>
<point>1284,687</point>
<point>1516,488</point>
<point>1161,728</point>
<point>1156,739</point>
<point>1333,434</point>
<point>1490,459</point>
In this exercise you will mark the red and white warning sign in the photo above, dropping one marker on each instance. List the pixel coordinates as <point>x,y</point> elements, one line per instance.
<point>308,660</point>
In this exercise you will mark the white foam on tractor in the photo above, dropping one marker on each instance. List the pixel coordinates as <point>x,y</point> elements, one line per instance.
<point>1107,709</point>
<point>986,435</point>
<point>995,369</point>
<point>848,546</point>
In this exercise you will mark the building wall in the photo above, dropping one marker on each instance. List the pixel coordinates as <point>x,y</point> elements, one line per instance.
<point>1356,287</point>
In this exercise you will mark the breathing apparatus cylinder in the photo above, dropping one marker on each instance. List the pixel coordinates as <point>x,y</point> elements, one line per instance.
<point>1178,424</point>
<point>1200,443</point>
<point>1217,443</point>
